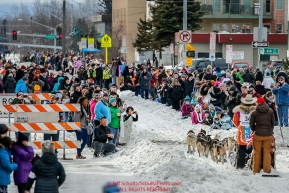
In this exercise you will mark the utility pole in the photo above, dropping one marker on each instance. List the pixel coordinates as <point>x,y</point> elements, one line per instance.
<point>64,28</point>
<point>260,38</point>
<point>185,7</point>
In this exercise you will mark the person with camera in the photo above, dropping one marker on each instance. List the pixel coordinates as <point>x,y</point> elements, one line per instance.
<point>281,91</point>
<point>130,117</point>
<point>20,99</point>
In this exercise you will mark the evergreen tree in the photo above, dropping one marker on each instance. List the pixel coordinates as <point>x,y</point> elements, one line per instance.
<point>167,18</point>
<point>145,40</point>
<point>107,5</point>
<point>286,65</point>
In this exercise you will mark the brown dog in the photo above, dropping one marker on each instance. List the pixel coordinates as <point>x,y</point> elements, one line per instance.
<point>203,143</point>
<point>191,142</point>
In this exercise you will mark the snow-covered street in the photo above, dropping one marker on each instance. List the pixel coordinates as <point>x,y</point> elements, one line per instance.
<point>157,153</point>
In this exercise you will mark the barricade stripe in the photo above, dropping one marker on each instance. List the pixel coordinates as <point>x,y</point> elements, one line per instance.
<point>24,108</point>
<point>71,107</point>
<point>71,144</point>
<point>44,96</point>
<point>56,108</point>
<point>31,127</point>
<point>9,108</point>
<point>19,127</point>
<point>57,144</point>
<point>40,108</point>
<point>35,126</point>
<point>50,126</point>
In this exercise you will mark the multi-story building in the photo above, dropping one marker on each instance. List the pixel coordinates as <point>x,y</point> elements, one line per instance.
<point>128,13</point>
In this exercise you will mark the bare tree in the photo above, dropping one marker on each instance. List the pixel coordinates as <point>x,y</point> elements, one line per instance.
<point>118,31</point>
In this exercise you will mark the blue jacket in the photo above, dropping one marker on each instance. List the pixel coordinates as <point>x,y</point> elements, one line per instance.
<point>102,110</point>
<point>55,88</point>
<point>6,167</point>
<point>282,94</point>
<point>21,86</point>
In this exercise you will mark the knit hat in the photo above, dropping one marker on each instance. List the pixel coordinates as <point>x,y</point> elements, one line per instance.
<point>3,129</point>
<point>47,147</point>
<point>23,67</point>
<point>187,98</point>
<point>105,95</point>
<point>261,100</point>
<point>281,77</point>
<point>112,100</point>
<point>21,137</point>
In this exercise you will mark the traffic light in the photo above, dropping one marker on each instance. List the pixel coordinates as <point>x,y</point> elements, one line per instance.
<point>14,35</point>
<point>60,36</point>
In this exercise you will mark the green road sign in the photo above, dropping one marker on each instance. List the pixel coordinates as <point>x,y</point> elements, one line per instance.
<point>51,36</point>
<point>269,50</point>
<point>1,37</point>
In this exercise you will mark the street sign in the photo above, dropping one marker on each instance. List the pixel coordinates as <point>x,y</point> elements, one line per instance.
<point>1,37</point>
<point>238,55</point>
<point>106,41</point>
<point>260,44</point>
<point>185,36</point>
<point>212,56</point>
<point>50,36</point>
<point>189,61</point>
<point>90,42</point>
<point>269,51</point>
<point>123,50</point>
<point>83,43</point>
<point>189,47</point>
<point>229,50</point>
<point>212,42</point>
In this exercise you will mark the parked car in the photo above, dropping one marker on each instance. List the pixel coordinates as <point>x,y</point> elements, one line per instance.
<point>201,63</point>
<point>240,64</point>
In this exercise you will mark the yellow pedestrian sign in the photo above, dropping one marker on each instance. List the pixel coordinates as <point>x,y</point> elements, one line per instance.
<point>106,41</point>
<point>189,61</point>
<point>189,47</point>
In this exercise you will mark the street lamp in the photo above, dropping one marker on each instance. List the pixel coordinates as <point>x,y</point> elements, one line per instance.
<point>21,19</point>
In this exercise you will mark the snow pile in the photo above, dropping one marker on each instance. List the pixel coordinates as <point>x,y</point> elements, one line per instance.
<point>157,151</point>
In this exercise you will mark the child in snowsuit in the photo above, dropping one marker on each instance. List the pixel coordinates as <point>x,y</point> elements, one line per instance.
<point>187,108</point>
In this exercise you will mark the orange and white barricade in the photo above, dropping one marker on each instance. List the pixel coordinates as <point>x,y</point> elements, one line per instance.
<point>43,118</point>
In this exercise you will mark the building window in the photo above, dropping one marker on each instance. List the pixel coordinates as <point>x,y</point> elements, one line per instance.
<point>279,4</point>
<point>279,28</point>
<point>268,26</point>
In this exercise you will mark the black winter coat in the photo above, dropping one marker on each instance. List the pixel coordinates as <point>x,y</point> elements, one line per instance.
<point>209,77</point>
<point>100,134</point>
<point>248,77</point>
<point>75,96</point>
<point>10,85</point>
<point>99,73</point>
<point>259,76</point>
<point>45,88</point>
<point>231,104</point>
<point>176,93</point>
<point>19,75</point>
<point>189,87</point>
<point>49,174</point>
<point>164,91</point>
<point>260,89</point>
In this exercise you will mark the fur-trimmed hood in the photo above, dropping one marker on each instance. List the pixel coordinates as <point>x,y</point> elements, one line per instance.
<point>244,109</point>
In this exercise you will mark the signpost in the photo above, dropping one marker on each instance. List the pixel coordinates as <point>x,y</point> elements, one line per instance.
<point>212,47</point>
<point>106,42</point>
<point>229,50</point>
<point>260,44</point>
<point>83,43</point>
<point>50,36</point>
<point>269,50</point>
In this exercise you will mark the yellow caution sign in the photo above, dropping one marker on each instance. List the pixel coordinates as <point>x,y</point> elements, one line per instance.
<point>189,61</point>
<point>106,41</point>
<point>190,47</point>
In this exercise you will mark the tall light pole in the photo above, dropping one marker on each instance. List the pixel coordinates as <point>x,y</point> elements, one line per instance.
<point>54,29</point>
<point>185,4</point>
<point>64,28</point>
<point>260,38</point>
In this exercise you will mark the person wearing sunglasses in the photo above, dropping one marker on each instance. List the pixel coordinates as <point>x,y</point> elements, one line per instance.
<point>281,91</point>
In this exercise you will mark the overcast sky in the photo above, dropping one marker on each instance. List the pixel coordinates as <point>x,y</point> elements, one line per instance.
<point>27,1</point>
